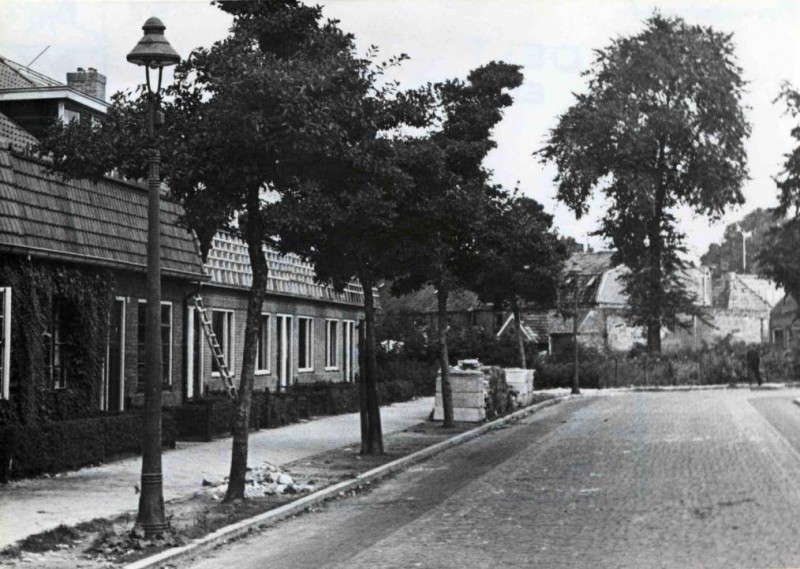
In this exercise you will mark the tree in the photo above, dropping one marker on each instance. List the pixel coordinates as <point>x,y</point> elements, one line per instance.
<point>521,258</point>
<point>661,126</point>
<point>249,115</point>
<point>451,193</point>
<point>745,237</point>
<point>779,259</point>
<point>344,220</point>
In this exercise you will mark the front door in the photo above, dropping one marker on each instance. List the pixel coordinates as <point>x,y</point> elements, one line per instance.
<point>115,357</point>
<point>284,351</point>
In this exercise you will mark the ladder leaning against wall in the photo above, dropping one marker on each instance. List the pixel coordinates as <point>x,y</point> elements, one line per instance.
<point>216,349</point>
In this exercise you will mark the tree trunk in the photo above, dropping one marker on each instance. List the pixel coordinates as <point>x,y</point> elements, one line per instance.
<point>447,390</point>
<point>374,431</point>
<point>518,330</point>
<point>254,235</point>
<point>363,397</point>
<point>655,302</point>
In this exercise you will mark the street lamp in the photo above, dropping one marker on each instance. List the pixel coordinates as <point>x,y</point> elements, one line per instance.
<point>153,52</point>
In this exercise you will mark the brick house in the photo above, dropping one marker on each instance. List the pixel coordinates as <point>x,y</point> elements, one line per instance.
<point>81,231</point>
<point>307,330</point>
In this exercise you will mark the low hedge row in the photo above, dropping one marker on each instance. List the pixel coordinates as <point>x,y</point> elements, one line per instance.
<point>212,417</point>
<point>29,450</point>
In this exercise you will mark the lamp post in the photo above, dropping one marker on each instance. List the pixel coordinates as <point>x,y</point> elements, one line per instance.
<point>153,52</point>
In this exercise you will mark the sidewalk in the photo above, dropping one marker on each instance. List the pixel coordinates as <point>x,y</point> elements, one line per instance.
<point>32,506</point>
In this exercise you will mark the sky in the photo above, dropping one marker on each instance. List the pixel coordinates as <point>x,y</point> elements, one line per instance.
<point>552,39</point>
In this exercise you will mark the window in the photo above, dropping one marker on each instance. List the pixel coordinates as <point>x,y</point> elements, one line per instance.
<point>331,344</point>
<point>262,353</point>
<point>5,341</point>
<point>70,116</point>
<point>222,322</point>
<point>54,362</point>
<point>305,344</point>
<point>166,344</point>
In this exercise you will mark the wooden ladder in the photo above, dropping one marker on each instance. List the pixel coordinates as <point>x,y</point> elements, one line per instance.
<point>216,349</point>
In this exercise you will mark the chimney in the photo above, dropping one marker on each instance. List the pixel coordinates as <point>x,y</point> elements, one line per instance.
<point>90,82</point>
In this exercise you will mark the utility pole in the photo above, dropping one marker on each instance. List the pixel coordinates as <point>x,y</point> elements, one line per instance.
<point>576,356</point>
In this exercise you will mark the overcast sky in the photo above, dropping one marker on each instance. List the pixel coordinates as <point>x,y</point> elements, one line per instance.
<point>552,39</point>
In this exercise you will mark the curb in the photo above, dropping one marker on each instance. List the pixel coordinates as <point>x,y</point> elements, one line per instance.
<point>240,528</point>
<point>796,402</point>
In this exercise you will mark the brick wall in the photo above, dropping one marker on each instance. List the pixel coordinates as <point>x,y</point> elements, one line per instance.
<point>132,288</point>
<point>236,301</point>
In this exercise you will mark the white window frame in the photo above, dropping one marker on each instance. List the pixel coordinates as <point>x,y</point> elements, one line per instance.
<point>168,382</point>
<point>332,355</point>
<point>287,339</point>
<point>350,339</point>
<point>6,333</point>
<point>309,344</point>
<point>264,371</point>
<point>228,333</point>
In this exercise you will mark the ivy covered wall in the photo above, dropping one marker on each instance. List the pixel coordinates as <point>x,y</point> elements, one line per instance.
<point>78,299</point>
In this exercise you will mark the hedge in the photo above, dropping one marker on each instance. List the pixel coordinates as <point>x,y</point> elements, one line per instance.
<point>211,417</point>
<point>65,445</point>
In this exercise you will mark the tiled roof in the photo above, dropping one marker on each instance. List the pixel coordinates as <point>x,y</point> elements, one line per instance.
<point>424,301</point>
<point>19,138</point>
<point>16,76</point>
<point>103,223</point>
<point>229,265</point>
<point>735,291</point>
<point>786,307</point>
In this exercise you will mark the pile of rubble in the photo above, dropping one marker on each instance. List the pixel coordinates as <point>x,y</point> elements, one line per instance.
<point>261,481</point>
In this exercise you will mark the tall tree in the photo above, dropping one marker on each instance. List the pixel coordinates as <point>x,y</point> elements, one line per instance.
<point>779,258</point>
<point>345,221</point>
<point>520,260</point>
<point>247,116</point>
<point>451,193</point>
<point>660,126</point>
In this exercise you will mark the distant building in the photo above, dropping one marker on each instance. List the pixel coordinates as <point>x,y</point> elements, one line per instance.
<point>784,324</point>
<point>735,305</point>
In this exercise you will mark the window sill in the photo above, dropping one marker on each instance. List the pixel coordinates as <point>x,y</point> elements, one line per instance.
<point>305,370</point>
<point>334,368</point>
<point>262,372</point>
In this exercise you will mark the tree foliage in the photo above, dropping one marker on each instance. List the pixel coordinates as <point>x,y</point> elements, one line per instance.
<point>660,127</point>
<point>255,114</point>
<point>779,258</point>
<point>520,260</point>
<point>451,190</point>
<point>726,256</point>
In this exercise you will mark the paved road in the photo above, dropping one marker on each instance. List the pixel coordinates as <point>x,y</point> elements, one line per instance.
<point>640,480</point>
<point>35,505</point>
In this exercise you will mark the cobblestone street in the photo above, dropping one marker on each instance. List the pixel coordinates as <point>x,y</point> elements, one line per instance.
<point>668,480</point>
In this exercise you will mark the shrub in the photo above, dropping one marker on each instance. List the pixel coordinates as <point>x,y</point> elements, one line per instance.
<point>65,445</point>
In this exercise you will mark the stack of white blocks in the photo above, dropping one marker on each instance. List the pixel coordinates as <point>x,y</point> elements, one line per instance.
<point>521,381</point>
<point>470,388</point>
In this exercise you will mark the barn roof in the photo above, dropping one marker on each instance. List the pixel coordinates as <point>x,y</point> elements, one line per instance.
<point>100,223</point>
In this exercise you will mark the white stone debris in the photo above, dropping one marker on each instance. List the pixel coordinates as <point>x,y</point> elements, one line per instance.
<point>261,481</point>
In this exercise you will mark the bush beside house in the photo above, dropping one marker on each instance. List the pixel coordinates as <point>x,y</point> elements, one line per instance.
<point>30,450</point>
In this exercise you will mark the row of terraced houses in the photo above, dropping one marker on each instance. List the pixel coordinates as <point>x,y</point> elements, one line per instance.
<point>68,230</point>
